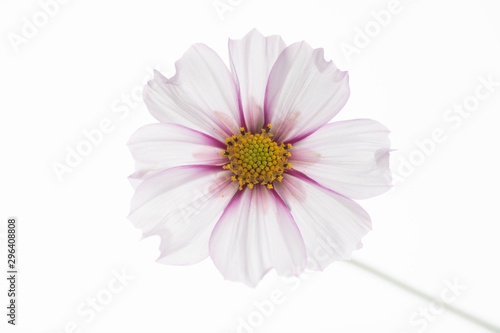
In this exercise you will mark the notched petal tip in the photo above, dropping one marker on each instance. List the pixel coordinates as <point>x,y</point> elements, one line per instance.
<point>264,238</point>
<point>331,225</point>
<point>304,92</point>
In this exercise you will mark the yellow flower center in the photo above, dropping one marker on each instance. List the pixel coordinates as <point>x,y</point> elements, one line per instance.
<point>256,158</point>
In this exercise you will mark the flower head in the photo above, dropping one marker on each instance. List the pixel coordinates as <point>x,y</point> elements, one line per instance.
<point>244,166</point>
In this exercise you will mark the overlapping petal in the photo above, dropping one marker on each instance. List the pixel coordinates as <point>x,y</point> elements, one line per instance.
<point>330,224</point>
<point>202,95</point>
<point>303,93</point>
<point>252,58</point>
<point>255,234</point>
<point>182,205</point>
<point>160,146</point>
<point>350,157</point>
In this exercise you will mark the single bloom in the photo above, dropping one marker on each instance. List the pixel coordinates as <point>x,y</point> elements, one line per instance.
<point>244,166</point>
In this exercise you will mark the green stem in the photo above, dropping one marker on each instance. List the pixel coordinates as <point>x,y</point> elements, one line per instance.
<point>416,292</point>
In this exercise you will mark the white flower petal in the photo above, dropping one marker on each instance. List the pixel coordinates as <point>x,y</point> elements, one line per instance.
<point>255,234</point>
<point>350,157</point>
<point>331,225</point>
<point>161,146</point>
<point>252,58</point>
<point>304,92</point>
<point>202,95</point>
<point>182,205</point>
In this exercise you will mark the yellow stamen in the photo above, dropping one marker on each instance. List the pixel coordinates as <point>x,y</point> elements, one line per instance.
<point>256,158</point>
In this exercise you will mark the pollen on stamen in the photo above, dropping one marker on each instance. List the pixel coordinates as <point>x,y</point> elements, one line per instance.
<point>255,158</point>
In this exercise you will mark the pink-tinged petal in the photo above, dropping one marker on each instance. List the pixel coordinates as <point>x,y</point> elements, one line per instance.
<point>350,157</point>
<point>252,58</point>
<point>182,205</point>
<point>331,225</point>
<point>202,95</point>
<point>303,93</point>
<point>161,146</point>
<point>255,234</point>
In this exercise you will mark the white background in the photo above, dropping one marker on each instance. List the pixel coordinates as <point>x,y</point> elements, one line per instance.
<point>441,222</point>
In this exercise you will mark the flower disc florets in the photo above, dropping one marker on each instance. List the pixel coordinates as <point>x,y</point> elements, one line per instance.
<point>256,158</point>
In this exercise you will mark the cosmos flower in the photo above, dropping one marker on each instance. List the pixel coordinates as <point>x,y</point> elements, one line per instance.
<point>244,166</point>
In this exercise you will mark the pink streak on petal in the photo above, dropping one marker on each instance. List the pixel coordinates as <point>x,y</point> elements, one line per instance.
<point>331,225</point>
<point>182,205</point>
<point>159,146</point>
<point>252,58</point>
<point>350,157</point>
<point>201,95</point>
<point>255,234</point>
<point>303,92</point>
